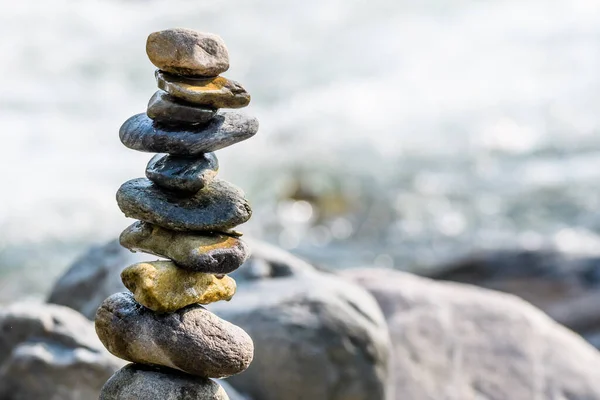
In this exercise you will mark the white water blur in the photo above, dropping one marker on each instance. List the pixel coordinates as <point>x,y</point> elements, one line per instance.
<point>437,125</point>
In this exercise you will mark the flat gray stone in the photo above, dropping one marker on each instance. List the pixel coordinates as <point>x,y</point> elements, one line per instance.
<point>209,253</point>
<point>168,110</point>
<point>188,52</point>
<point>136,381</point>
<point>220,206</point>
<point>192,339</point>
<point>183,174</point>
<point>225,129</point>
<point>217,92</point>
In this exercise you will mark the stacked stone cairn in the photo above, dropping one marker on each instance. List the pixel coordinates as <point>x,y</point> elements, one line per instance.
<point>187,216</point>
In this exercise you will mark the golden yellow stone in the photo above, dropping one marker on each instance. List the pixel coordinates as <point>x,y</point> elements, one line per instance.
<point>163,287</point>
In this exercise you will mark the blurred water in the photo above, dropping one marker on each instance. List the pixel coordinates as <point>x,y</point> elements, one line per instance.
<point>396,133</point>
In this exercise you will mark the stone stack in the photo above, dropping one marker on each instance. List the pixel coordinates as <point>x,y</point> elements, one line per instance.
<point>187,216</point>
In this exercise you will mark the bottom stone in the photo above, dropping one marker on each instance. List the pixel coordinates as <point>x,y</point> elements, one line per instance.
<point>139,382</point>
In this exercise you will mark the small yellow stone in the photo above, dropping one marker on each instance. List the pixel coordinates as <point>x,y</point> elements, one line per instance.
<point>163,287</point>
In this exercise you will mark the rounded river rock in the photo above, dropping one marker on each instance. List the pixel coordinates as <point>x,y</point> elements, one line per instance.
<point>216,92</point>
<point>141,382</point>
<point>188,52</point>
<point>210,253</point>
<point>163,287</point>
<point>192,339</point>
<point>166,109</point>
<point>143,134</point>
<point>182,173</point>
<point>218,207</point>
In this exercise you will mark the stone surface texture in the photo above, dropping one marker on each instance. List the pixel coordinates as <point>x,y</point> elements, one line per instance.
<point>136,381</point>
<point>192,339</point>
<point>217,92</point>
<point>563,283</point>
<point>166,109</point>
<point>315,336</point>
<point>211,253</point>
<point>182,174</point>
<point>454,341</point>
<point>50,352</point>
<point>188,52</point>
<point>225,129</point>
<point>220,206</point>
<point>163,287</point>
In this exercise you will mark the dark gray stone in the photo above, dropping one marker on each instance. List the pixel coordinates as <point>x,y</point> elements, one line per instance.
<point>168,110</point>
<point>209,253</point>
<point>218,207</point>
<point>192,339</point>
<point>224,129</point>
<point>20,322</point>
<point>50,352</point>
<point>136,381</point>
<point>217,92</point>
<point>45,370</point>
<point>188,52</point>
<point>182,174</point>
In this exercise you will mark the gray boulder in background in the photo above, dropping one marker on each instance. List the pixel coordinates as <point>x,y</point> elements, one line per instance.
<point>564,284</point>
<point>316,336</point>
<point>93,277</point>
<point>454,341</point>
<point>49,352</point>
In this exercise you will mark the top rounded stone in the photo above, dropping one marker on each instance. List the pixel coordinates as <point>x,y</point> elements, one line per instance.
<point>188,52</point>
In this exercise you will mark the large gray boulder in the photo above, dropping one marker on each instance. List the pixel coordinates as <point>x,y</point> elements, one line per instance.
<point>564,284</point>
<point>454,341</point>
<point>49,352</point>
<point>316,336</point>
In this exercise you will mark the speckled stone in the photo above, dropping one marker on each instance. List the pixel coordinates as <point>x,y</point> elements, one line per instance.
<point>192,339</point>
<point>163,287</point>
<point>168,110</point>
<point>216,92</point>
<point>142,382</point>
<point>188,52</point>
<point>218,207</point>
<point>210,253</point>
<point>141,133</point>
<point>185,174</point>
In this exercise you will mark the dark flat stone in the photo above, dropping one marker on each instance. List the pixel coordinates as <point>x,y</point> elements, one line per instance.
<point>192,339</point>
<point>136,381</point>
<point>183,174</point>
<point>141,133</point>
<point>218,207</point>
<point>209,253</point>
<point>215,92</point>
<point>166,109</point>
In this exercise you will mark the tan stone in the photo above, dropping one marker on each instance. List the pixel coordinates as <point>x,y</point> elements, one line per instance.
<point>217,92</point>
<point>188,52</point>
<point>163,287</point>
